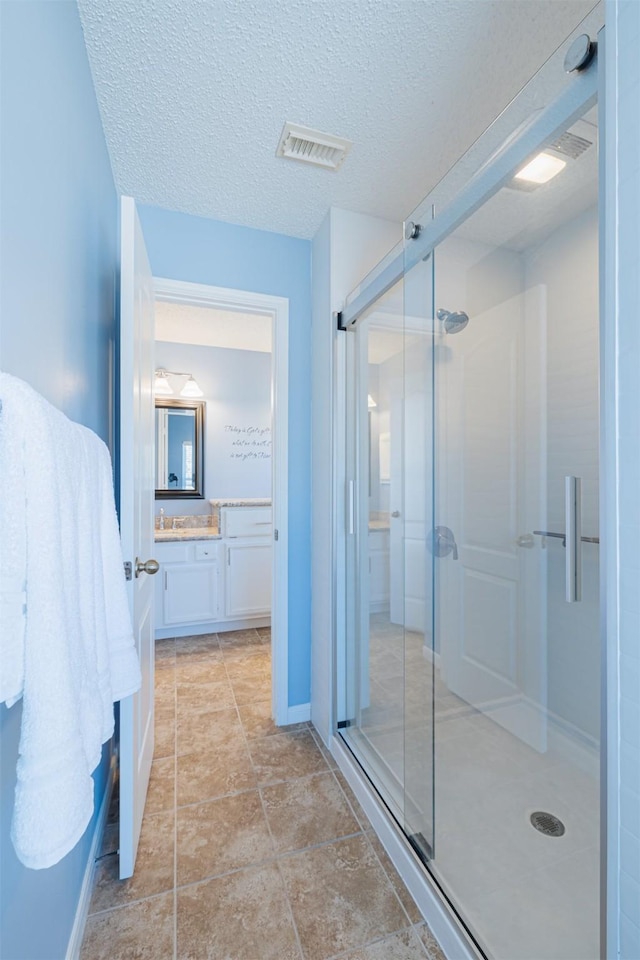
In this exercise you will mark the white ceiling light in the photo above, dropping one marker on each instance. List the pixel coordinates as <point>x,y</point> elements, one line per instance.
<point>541,169</point>
<point>162,387</point>
<point>312,146</point>
<point>191,389</point>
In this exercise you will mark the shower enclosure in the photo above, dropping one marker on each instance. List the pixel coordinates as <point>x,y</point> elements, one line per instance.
<point>470,680</point>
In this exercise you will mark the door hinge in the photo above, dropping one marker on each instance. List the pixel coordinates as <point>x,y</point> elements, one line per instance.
<point>275,534</point>
<point>128,570</point>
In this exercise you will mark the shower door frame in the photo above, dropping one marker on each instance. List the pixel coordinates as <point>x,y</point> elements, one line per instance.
<point>586,89</point>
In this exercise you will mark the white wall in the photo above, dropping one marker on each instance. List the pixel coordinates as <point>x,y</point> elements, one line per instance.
<point>237,391</point>
<point>345,248</point>
<point>622,420</point>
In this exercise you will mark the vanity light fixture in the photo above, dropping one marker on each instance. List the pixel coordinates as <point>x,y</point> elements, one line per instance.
<point>191,389</point>
<point>163,388</point>
<point>541,169</point>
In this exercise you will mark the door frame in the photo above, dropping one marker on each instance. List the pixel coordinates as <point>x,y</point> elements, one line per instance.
<point>243,301</point>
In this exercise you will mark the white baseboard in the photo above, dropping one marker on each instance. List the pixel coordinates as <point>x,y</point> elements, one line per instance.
<point>299,714</point>
<point>439,916</point>
<point>82,911</point>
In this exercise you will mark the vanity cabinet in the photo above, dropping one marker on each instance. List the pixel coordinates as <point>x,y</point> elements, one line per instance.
<point>216,584</point>
<point>248,578</point>
<point>187,585</point>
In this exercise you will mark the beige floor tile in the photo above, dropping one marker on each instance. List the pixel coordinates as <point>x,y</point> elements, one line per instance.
<point>285,756</point>
<point>321,747</point>
<point>164,708</point>
<point>222,835</point>
<point>199,698</point>
<point>203,647</point>
<point>205,731</point>
<point>245,653</point>
<point>192,672</point>
<point>142,931</point>
<point>399,946</point>
<point>243,916</point>
<point>227,769</point>
<point>340,897</point>
<point>165,650</point>
<point>161,792</point>
<point>257,721</point>
<point>251,689</point>
<point>404,896</point>
<point>254,664</point>
<point>164,673</point>
<point>154,867</point>
<point>363,819</point>
<point>307,811</point>
<point>238,638</point>
<point>164,738</point>
<point>429,942</point>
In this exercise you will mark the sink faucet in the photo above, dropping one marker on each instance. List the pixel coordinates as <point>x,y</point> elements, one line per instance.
<point>161,525</point>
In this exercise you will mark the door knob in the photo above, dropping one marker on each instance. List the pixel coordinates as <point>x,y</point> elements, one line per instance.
<point>396,513</point>
<point>150,566</point>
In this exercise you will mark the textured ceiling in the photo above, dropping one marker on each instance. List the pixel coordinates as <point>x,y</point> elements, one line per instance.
<point>194,93</point>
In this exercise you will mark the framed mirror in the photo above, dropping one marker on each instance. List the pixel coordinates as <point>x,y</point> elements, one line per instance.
<point>179,449</point>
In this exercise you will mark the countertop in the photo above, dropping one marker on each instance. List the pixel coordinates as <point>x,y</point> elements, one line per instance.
<point>240,503</point>
<point>187,533</point>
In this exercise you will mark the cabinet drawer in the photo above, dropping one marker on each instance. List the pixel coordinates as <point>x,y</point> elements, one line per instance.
<point>246,521</point>
<point>206,551</point>
<point>171,552</point>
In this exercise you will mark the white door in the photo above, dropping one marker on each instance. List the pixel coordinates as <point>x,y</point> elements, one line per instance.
<point>492,639</point>
<point>137,492</point>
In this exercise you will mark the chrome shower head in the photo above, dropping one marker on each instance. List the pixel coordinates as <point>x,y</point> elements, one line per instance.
<point>453,321</point>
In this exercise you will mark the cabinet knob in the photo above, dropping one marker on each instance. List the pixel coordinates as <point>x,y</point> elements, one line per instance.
<point>149,566</point>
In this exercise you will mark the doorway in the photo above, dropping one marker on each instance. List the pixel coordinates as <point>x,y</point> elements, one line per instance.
<point>251,448</point>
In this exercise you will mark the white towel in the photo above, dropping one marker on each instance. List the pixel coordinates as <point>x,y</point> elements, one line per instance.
<point>77,645</point>
<point>13,556</point>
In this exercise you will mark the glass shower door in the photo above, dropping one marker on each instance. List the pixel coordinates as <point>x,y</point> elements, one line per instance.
<point>374,720</point>
<point>517,711</point>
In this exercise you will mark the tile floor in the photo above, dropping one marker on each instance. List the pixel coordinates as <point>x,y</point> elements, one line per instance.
<point>252,847</point>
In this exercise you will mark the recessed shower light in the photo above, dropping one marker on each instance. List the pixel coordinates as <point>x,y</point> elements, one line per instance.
<point>541,169</point>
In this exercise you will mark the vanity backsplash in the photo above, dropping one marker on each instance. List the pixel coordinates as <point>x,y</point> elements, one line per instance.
<point>191,522</point>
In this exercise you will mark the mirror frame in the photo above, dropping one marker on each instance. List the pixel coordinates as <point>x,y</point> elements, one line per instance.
<point>199,407</point>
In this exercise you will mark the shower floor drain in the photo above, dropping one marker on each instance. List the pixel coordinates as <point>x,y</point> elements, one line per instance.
<point>548,824</point>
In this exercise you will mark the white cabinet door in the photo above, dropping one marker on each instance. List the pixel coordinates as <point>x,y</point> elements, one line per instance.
<point>190,592</point>
<point>248,579</point>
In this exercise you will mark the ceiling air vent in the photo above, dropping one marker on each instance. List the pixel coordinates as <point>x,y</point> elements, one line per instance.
<point>571,145</point>
<point>311,146</point>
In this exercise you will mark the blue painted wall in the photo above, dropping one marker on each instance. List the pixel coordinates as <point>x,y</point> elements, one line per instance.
<point>58,259</point>
<point>199,250</point>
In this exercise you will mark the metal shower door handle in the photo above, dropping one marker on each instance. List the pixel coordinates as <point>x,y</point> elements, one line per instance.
<point>573,520</point>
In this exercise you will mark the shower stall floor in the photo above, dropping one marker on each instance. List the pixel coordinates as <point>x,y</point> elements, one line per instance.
<point>524,895</point>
